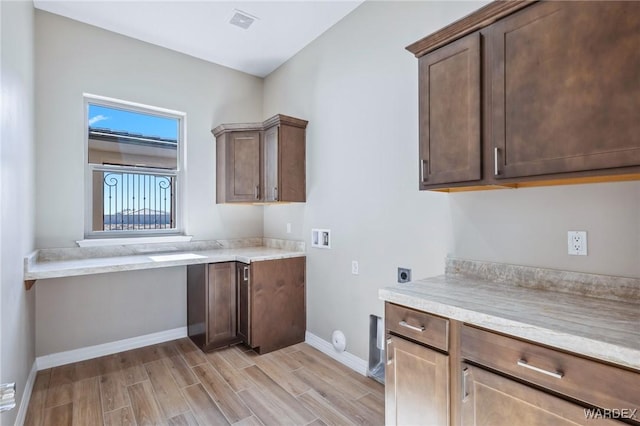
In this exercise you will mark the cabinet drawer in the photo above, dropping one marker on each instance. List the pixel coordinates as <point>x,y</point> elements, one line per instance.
<point>419,326</point>
<point>488,397</point>
<point>585,380</point>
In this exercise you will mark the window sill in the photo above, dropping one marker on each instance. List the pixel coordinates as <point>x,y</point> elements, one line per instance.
<point>101,242</point>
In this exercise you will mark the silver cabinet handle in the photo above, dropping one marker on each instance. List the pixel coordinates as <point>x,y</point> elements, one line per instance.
<point>245,273</point>
<point>257,192</point>
<point>423,165</point>
<point>465,389</point>
<point>411,327</point>
<point>496,152</point>
<point>389,359</point>
<point>275,193</point>
<point>555,374</point>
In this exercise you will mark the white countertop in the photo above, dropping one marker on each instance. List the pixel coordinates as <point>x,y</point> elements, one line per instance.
<point>608,330</point>
<point>36,269</point>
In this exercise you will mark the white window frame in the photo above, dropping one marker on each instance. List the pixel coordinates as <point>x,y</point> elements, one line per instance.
<point>180,176</point>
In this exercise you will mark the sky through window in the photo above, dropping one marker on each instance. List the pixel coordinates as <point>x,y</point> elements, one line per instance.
<point>132,122</point>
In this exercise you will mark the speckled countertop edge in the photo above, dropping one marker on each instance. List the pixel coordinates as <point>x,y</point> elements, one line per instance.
<point>68,262</point>
<point>603,329</point>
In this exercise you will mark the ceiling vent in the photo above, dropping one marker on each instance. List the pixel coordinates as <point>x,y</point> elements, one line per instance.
<point>242,19</point>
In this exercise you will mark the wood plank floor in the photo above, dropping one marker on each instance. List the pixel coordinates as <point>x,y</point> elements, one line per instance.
<point>174,383</point>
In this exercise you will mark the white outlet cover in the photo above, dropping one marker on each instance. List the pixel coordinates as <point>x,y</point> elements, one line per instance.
<point>577,243</point>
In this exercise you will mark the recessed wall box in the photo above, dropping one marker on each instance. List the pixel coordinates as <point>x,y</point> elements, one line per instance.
<point>404,275</point>
<point>321,238</point>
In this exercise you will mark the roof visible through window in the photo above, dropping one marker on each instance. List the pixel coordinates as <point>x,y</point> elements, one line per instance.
<point>132,122</point>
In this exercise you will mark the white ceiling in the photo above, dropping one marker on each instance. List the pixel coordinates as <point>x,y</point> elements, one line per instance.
<point>202,29</point>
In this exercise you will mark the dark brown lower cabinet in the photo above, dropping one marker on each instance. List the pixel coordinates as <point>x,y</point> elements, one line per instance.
<point>276,304</point>
<point>242,279</point>
<point>212,304</point>
<point>443,372</point>
<point>416,385</point>
<point>490,399</point>
<point>261,304</point>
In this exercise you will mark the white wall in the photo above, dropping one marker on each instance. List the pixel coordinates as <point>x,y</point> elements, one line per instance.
<point>16,196</point>
<point>73,58</point>
<point>108,307</point>
<point>529,226</point>
<point>357,86</point>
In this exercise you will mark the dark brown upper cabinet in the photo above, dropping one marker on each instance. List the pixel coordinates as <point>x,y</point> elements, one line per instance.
<point>261,162</point>
<point>239,166</point>
<point>271,169</point>
<point>557,90</point>
<point>449,97</point>
<point>566,88</point>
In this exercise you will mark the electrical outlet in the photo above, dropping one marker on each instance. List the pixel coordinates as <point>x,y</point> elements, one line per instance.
<point>355,269</point>
<point>288,228</point>
<point>577,243</point>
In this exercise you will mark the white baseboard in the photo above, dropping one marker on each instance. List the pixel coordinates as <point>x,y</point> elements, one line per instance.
<point>353,362</point>
<point>26,395</point>
<point>89,352</point>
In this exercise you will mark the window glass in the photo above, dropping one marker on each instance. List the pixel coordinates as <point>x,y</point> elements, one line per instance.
<point>134,163</point>
<point>132,138</point>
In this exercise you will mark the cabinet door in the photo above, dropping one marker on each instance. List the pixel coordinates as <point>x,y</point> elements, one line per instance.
<point>291,163</point>
<point>221,323</point>
<point>196,304</point>
<point>565,88</point>
<point>271,164</point>
<point>244,167</point>
<point>492,400</point>
<point>244,309</point>
<point>277,305</point>
<point>449,113</point>
<point>416,385</point>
